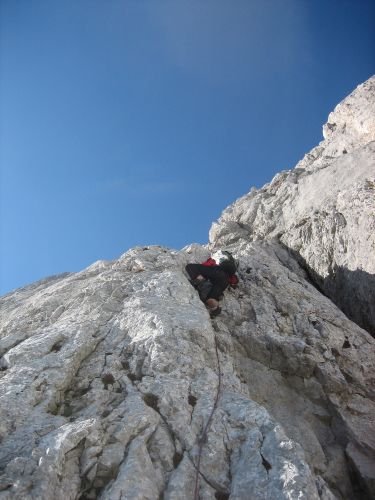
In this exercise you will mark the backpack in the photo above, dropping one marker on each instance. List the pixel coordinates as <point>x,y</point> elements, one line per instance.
<point>231,259</point>
<point>226,261</point>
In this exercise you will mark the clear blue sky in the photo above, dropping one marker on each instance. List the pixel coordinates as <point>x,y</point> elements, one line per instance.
<point>134,122</point>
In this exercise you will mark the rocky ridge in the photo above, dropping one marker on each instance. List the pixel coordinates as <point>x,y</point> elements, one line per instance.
<point>110,377</point>
<point>324,209</point>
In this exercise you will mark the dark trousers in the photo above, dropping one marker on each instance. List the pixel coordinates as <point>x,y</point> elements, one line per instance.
<point>215,274</point>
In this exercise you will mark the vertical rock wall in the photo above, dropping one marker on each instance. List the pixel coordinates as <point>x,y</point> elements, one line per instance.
<point>324,209</point>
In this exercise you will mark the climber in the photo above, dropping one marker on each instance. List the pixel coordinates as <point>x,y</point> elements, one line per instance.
<point>212,277</point>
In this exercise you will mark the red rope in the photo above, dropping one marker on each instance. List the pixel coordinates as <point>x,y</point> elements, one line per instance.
<point>206,429</point>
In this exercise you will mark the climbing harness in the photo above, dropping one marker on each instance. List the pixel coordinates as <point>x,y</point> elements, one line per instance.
<point>203,438</point>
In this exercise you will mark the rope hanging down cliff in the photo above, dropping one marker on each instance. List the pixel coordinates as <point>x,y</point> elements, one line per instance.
<point>204,434</point>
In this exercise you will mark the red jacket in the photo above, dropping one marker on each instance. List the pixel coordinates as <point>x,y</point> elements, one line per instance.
<point>210,262</point>
<point>233,279</point>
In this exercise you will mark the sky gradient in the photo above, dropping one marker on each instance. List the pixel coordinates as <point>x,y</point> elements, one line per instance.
<point>136,122</point>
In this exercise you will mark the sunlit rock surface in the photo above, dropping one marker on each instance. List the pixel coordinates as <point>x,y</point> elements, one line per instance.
<point>110,376</point>
<point>324,209</point>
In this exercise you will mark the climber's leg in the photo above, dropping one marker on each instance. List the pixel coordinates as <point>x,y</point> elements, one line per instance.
<point>194,271</point>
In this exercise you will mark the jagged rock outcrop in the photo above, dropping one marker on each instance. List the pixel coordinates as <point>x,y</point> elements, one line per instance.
<point>323,209</point>
<point>115,383</point>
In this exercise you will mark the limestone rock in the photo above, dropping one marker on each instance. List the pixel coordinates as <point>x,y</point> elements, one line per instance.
<point>116,384</point>
<point>323,210</point>
<point>108,398</point>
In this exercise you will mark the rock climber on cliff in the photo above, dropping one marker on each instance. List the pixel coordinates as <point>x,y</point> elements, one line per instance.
<point>212,277</point>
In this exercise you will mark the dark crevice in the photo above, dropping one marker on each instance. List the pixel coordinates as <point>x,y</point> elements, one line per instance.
<point>266,463</point>
<point>151,400</point>
<point>177,457</point>
<point>108,379</point>
<point>125,365</point>
<point>351,291</point>
<point>134,378</point>
<point>335,352</point>
<point>57,346</point>
<point>220,495</point>
<point>5,486</point>
<point>3,365</point>
<point>360,489</point>
<point>346,344</point>
<point>192,400</point>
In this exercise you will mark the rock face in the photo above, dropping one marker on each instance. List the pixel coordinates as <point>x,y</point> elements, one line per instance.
<point>324,209</point>
<point>116,384</point>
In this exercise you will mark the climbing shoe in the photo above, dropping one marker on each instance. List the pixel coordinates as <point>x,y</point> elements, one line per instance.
<point>215,312</point>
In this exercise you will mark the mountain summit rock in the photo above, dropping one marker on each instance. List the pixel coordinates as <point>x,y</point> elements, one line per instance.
<point>323,210</point>
<point>116,384</point>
